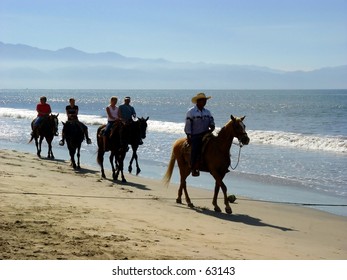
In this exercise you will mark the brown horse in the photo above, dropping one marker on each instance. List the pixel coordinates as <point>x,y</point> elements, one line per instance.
<point>116,147</point>
<point>74,136</point>
<point>47,129</point>
<point>215,159</point>
<point>135,141</point>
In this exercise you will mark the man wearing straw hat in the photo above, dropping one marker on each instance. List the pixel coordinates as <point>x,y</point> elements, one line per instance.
<point>199,121</point>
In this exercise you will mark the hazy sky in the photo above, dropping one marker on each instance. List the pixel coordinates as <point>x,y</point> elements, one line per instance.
<point>282,34</point>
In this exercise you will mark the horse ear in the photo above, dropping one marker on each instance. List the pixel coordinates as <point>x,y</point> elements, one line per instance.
<point>147,118</point>
<point>232,117</point>
<point>242,118</point>
<point>63,123</point>
<point>57,114</point>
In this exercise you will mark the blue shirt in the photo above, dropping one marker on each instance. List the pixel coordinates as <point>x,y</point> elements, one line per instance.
<point>198,121</point>
<point>127,112</point>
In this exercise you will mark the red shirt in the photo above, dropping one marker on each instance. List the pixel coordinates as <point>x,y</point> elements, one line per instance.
<point>43,109</point>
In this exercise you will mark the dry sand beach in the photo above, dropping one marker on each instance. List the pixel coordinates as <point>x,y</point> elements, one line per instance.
<point>49,211</point>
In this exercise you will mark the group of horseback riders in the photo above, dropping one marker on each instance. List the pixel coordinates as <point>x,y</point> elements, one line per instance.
<point>199,121</point>
<point>122,115</point>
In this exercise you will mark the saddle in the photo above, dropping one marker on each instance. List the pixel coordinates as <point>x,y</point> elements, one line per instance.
<point>205,140</point>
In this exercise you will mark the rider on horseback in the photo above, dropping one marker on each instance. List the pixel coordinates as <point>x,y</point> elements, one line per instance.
<point>43,110</point>
<point>112,117</point>
<point>72,116</point>
<point>127,114</point>
<point>199,121</point>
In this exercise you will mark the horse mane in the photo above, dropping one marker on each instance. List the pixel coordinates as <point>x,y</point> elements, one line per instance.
<point>223,130</point>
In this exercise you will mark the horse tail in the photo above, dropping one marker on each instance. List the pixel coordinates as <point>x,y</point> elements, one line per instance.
<point>31,139</point>
<point>167,177</point>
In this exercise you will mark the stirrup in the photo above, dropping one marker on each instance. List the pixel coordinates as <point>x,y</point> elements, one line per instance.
<point>61,143</point>
<point>89,141</point>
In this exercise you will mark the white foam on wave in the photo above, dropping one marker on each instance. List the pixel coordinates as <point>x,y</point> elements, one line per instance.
<point>297,140</point>
<point>278,138</point>
<point>337,144</point>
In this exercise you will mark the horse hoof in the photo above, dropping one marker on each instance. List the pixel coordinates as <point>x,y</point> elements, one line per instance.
<point>138,171</point>
<point>217,209</point>
<point>179,201</point>
<point>130,169</point>
<point>190,205</point>
<point>124,181</point>
<point>228,210</point>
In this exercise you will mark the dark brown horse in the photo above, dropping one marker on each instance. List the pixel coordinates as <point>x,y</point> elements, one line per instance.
<point>215,159</point>
<point>74,136</point>
<point>141,124</point>
<point>47,129</point>
<point>116,147</point>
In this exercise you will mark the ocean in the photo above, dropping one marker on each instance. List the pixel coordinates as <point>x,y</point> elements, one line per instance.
<point>297,153</point>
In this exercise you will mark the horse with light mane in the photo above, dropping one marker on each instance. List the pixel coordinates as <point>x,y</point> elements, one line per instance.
<point>215,159</point>
<point>46,130</point>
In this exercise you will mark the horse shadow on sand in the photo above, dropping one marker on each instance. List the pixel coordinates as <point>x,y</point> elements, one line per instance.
<point>85,171</point>
<point>239,218</point>
<point>126,184</point>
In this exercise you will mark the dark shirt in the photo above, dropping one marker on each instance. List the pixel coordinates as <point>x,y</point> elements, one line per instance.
<point>72,112</point>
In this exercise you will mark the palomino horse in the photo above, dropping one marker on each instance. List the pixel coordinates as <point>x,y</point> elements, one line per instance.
<point>134,142</point>
<point>215,159</point>
<point>117,148</point>
<point>74,135</point>
<point>47,129</point>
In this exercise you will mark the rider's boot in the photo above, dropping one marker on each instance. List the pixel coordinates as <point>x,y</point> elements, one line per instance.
<point>87,137</point>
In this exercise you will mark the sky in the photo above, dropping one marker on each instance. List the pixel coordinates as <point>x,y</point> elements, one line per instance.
<point>281,34</point>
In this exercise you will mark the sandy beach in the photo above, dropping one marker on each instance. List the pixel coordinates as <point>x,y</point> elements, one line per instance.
<point>49,211</point>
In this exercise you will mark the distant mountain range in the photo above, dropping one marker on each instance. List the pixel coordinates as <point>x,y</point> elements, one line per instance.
<point>23,66</point>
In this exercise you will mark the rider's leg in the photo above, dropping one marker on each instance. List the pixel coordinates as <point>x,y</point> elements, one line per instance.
<point>62,141</point>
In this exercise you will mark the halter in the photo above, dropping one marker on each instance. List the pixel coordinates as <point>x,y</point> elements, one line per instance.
<point>240,146</point>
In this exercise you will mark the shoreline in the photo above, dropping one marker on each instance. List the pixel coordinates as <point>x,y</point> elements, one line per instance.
<point>49,211</point>
<point>254,187</point>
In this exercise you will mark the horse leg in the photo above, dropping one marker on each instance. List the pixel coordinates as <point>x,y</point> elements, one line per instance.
<point>78,157</point>
<point>121,167</point>
<point>117,169</point>
<point>220,184</point>
<point>39,147</point>
<point>183,188</point>
<point>122,175</point>
<point>72,157</point>
<point>134,157</point>
<point>138,170</point>
<point>130,168</point>
<point>100,160</point>
<point>38,151</point>
<point>226,200</point>
<point>50,152</point>
<point>215,197</point>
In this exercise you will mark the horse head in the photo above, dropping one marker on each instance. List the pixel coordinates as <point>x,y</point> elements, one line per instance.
<point>143,126</point>
<point>240,130</point>
<point>54,122</point>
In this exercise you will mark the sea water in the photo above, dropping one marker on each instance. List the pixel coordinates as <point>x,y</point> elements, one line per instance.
<point>297,153</point>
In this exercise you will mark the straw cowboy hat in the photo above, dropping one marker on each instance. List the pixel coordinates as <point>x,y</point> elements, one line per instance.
<point>200,95</point>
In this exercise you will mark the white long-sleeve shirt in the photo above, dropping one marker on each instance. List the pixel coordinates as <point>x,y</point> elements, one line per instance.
<point>198,121</point>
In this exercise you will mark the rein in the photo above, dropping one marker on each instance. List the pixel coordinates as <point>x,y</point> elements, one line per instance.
<point>238,159</point>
